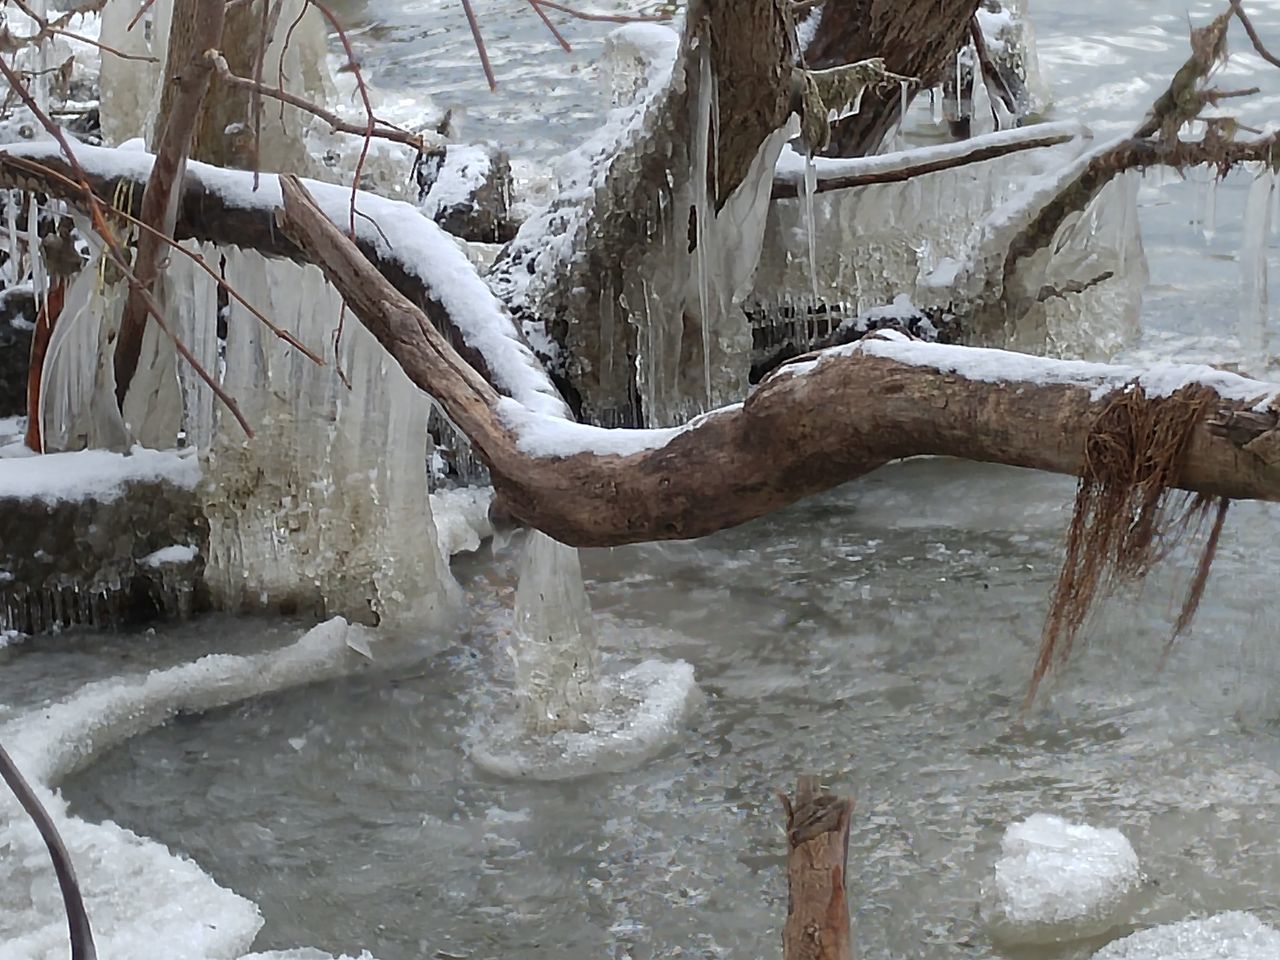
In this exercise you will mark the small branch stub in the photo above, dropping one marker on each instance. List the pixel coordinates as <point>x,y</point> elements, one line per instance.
<point>817,926</point>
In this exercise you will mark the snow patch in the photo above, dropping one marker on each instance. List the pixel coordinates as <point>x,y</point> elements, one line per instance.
<point>1227,936</point>
<point>94,474</point>
<point>1005,366</point>
<point>1059,881</point>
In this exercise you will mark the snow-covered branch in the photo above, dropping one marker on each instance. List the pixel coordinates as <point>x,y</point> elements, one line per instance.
<point>813,424</point>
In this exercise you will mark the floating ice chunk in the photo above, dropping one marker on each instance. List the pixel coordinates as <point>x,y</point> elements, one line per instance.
<point>462,518</point>
<point>1059,881</point>
<point>642,711</point>
<point>177,553</point>
<point>1227,936</point>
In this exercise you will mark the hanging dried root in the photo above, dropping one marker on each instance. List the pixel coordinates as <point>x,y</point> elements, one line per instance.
<point>1127,514</point>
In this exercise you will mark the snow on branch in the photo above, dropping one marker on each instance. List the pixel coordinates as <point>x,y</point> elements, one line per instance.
<point>813,424</point>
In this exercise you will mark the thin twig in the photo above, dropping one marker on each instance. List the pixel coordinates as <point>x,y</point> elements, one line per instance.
<point>364,99</point>
<point>382,130</point>
<point>551,26</point>
<point>480,49</point>
<point>47,27</point>
<point>1238,9</point>
<point>142,10</point>
<point>81,933</point>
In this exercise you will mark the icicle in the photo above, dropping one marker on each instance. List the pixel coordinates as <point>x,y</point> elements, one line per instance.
<point>1253,327</point>
<point>556,654</point>
<point>39,277</point>
<point>1209,226</point>
<point>810,188</point>
<point>935,105</point>
<point>702,207</point>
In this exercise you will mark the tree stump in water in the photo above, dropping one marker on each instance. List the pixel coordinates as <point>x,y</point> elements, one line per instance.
<point>817,926</point>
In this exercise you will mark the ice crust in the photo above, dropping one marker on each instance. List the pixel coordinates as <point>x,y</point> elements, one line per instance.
<point>1226,936</point>
<point>1057,881</point>
<point>143,900</point>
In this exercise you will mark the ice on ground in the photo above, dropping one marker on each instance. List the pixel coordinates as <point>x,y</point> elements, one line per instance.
<point>1227,936</point>
<point>143,900</point>
<point>1057,881</point>
<point>94,474</point>
<point>642,711</point>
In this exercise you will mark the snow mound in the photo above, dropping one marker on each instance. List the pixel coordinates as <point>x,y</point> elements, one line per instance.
<point>95,474</point>
<point>1227,936</point>
<point>642,711</point>
<point>1058,881</point>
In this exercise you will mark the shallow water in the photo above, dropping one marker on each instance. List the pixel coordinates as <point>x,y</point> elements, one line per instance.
<point>881,635</point>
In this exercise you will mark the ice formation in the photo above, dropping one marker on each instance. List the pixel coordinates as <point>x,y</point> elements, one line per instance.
<point>143,900</point>
<point>642,710</point>
<point>1226,936</point>
<point>1057,881</point>
<point>874,245</point>
<point>328,502</point>
<point>571,720</point>
<point>1254,333</point>
<point>296,58</point>
<point>556,652</point>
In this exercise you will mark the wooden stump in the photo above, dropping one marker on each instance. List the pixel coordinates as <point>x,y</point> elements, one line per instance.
<point>817,926</point>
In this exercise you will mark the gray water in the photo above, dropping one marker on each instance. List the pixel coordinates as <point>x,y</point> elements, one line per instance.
<point>881,635</point>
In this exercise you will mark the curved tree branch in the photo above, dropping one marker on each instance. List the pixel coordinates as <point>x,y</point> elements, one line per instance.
<point>812,425</point>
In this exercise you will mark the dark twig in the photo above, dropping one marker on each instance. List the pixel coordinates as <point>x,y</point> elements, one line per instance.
<point>480,48</point>
<point>551,26</point>
<point>1237,7</point>
<point>80,932</point>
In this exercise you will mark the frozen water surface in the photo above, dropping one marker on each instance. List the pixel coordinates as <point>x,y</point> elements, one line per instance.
<point>882,635</point>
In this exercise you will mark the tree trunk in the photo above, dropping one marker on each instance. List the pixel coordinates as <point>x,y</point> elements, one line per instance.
<point>197,28</point>
<point>817,926</point>
<point>853,30</point>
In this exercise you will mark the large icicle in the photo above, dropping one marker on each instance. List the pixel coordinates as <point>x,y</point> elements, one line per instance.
<point>1253,331</point>
<point>327,506</point>
<point>556,656</point>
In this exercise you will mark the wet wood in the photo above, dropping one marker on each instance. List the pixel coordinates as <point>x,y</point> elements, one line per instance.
<point>817,926</point>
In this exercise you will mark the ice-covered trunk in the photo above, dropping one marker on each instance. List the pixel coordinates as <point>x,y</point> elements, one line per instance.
<point>634,278</point>
<point>556,653</point>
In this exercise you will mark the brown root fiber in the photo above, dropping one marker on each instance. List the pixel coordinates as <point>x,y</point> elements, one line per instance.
<point>1128,516</point>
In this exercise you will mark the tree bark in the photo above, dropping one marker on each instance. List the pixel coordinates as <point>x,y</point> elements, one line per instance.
<point>817,926</point>
<point>197,27</point>
<point>811,425</point>
<point>615,266</point>
<point>916,38</point>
